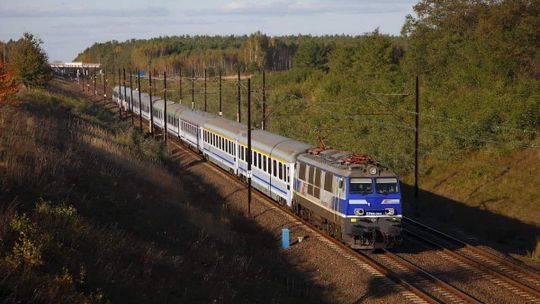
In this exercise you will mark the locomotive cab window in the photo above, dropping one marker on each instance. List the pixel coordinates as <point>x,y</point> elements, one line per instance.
<point>387,185</point>
<point>360,186</point>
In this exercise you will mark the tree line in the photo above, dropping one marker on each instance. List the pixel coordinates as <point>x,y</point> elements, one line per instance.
<point>478,62</point>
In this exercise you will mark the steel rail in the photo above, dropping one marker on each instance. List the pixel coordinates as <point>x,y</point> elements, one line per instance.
<point>505,262</point>
<point>475,264</point>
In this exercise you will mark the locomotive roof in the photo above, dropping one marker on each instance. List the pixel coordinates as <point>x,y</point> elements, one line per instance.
<point>336,161</point>
<point>276,145</point>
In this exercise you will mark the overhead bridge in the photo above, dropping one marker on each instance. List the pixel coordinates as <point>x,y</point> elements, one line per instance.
<point>74,69</point>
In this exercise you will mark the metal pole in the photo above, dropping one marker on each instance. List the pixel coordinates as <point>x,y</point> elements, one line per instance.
<point>125,91</point>
<point>205,90</point>
<point>104,80</point>
<point>151,104</point>
<point>140,100</point>
<point>131,95</point>
<point>193,89</point>
<point>238,111</point>
<point>165,107</point>
<point>220,97</point>
<point>82,74</point>
<point>180,72</point>
<point>416,127</point>
<point>95,81</point>
<point>120,91</point>
<point>263,125</point>
<point>249,146</point>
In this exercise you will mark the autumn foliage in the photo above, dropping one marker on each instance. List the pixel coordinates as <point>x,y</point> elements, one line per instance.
<point>7,84</point>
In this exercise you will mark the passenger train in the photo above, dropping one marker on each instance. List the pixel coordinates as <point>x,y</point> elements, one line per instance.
<point>352,197</point>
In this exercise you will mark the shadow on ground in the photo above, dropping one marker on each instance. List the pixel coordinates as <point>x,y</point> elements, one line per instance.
<point>473,225</point>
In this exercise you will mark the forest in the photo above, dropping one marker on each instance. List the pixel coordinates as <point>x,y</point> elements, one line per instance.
<point>478,64</point>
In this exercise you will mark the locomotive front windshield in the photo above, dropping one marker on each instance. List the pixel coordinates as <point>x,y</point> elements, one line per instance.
<point>360,186</point>
<point>387,185</point>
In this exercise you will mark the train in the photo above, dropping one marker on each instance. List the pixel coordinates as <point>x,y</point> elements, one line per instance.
<point>351,197</point>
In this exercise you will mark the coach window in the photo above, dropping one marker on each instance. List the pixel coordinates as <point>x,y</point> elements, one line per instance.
<point>281,171</point>
<point>302,172</point>
<point>274,171</point>
<point>317,181</point>
<point>264,163</point>
<point>311,177</point>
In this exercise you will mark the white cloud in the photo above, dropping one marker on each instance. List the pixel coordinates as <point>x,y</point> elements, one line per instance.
<point>309,7</point>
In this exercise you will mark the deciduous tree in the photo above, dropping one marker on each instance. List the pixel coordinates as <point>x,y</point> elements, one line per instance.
<point>29,62</point>
<point>7,84</point>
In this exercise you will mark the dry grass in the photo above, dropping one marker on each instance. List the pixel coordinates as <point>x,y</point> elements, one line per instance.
<point>89,214</point>
<point>491,194</point>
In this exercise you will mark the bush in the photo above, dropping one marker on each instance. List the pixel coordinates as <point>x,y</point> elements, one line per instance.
<point>29,62</point>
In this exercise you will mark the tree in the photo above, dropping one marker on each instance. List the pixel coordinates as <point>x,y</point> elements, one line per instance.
<point>7,84</point>
<point>313,55</point>
<point>29,62</point>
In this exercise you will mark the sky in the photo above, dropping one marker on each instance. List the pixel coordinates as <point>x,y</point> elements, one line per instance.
<point>67,27</point>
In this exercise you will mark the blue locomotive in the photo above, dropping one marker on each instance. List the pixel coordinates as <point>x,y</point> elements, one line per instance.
<point>351,197</point>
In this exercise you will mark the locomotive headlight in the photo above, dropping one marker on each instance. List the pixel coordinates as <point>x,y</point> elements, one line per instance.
<point>373,170</point>
<point>359,211</point>
<point>389,211</point>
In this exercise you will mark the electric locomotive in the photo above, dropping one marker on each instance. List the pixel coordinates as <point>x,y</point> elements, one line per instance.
<point>351,197</point>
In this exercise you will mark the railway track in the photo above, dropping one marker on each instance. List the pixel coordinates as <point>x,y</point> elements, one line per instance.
<point>439,289</point>
<point>415,284</point>
<point>502,272</point>
<point>385,276</point>
<point>409,280</point>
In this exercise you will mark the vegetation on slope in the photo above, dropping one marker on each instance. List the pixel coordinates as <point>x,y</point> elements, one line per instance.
<point>89,214</point>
